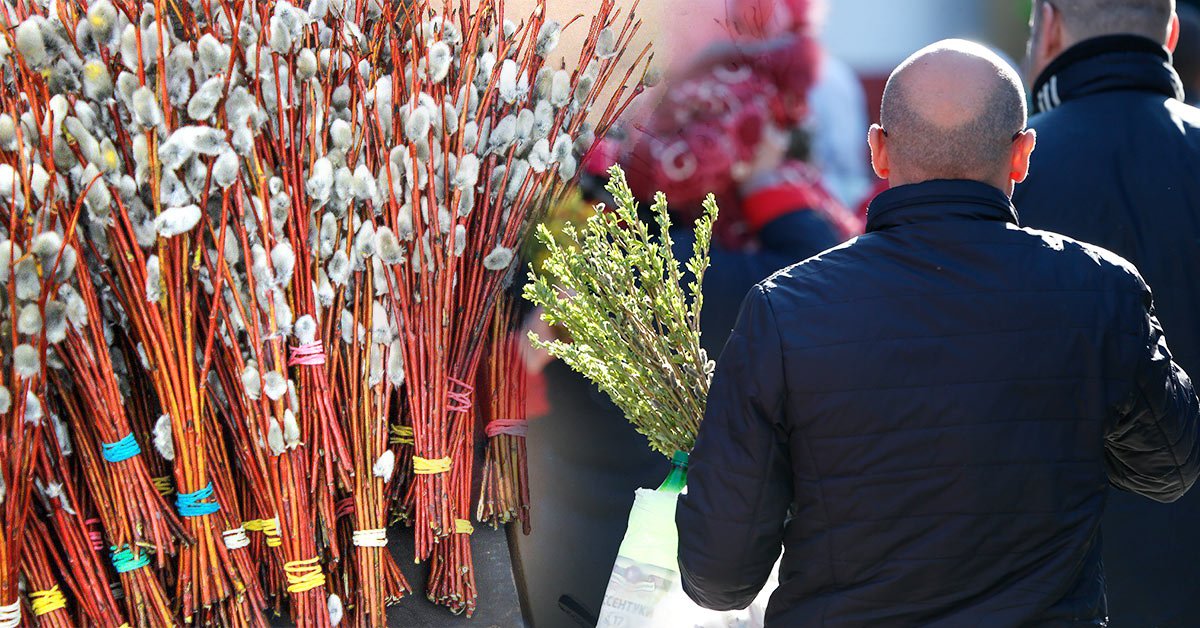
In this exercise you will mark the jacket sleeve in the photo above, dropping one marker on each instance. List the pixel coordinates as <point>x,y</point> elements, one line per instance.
<point>1153,449</point>
<point>731,519</point>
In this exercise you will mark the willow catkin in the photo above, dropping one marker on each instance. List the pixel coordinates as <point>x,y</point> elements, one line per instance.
<point>283,262</point>
<point>33,409</point>
<point>500,258</point>
<point>55,321</point>
<point>164,442</point>
<point>29,320</point>
<point>384,465</point>
<point>274,385</point>
<point>30,42</point>
<point>26,361</point>
<point>174,221</point>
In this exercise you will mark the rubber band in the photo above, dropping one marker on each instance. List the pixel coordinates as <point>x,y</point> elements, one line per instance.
<point>123,449</point>
<point>47,601</point>
<point>310,354</point>
<point>269,528</point>
<point>345,508</point>
<point>236,538</point>
<point>460,401</point>
<point>10,615</point>
<point>508,427</point>
<point>191,504</point>
<point>95,534</point>
<point>163,485</point>
<point>425,466</point>
<point>402,435</point>
<point>124,560</point>
<point>370,538</point>
<point>304,575</point>
<point>462,526</point>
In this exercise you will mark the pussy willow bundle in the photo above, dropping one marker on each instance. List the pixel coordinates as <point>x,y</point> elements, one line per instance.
<point>244,247</point>
<point>631,316</point>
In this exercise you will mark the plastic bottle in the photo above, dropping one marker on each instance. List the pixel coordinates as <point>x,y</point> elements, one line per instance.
<point>677,478</point>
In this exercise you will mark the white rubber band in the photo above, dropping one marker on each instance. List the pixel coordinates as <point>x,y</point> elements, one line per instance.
<point>236,538</point>
<point>371,538</point>
<point>10,615</point>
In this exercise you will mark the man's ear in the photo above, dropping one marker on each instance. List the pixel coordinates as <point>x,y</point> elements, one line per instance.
<point>1173,33</point>
<point>879,152</point>
<point>1022,148</point>
<point>1051,40</point>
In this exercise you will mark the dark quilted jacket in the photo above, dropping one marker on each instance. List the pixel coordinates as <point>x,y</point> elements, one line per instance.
<point>927,419</point>
<point>1118,165</point>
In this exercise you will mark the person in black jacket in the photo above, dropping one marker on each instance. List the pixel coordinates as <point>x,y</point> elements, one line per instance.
<point>1186,57</point>
<point>1118,165</point>
<point>927,418</point>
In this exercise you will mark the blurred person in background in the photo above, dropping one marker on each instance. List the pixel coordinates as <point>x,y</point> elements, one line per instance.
<point>727,130</point>
<point>723,127</point>
<point>836,121</point>
<point>1187,53</point>
<point>837,104</point>
<point>1118,165</point>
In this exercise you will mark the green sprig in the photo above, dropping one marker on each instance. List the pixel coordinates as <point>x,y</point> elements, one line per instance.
<point>633,328</point>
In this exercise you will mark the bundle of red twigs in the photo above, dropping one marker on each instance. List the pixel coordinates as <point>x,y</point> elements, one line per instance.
<point>250,260</point>
<point>480,132</point>
<point>504,485</point>
<point>34,265</point>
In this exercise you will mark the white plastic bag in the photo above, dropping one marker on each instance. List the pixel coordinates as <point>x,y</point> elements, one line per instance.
<point>644,589</point>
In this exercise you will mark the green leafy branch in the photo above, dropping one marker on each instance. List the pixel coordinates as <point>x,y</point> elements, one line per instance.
<point>633,328</point>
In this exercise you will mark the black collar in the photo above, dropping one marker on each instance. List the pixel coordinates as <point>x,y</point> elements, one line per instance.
<point>1104,64</point>
<point>941,200</point>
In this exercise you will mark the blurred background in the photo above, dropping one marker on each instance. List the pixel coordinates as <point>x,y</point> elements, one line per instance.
<point>863,39</point>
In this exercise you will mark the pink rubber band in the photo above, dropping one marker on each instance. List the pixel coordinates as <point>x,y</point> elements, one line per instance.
<point>94,534</point>
<point>310,354</point>
<point>510,427</point>
<point>460,401</point>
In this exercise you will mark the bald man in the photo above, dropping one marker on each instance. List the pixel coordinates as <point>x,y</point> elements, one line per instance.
<point>1118,165</point>
<point>927,418</point>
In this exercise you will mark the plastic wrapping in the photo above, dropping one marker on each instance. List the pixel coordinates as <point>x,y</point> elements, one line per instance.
<point>644,589</point>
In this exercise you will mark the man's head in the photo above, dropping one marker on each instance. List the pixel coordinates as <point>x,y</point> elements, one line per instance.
<point>1056,25</point>
<point>953,110</point>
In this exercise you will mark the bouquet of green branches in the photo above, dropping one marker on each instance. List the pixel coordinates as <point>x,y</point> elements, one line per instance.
<point>631,315</point>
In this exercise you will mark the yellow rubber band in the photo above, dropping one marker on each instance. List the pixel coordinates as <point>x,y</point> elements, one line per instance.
<point>47,601</point>
<point>258,525</point>
<point>304,575</point>
<point>424,466</point>
<point>269,528</point>
<point>402,435</point>
<point>163,485</point>
<point>462,526</point>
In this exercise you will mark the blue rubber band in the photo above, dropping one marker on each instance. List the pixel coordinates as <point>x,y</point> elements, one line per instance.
<point>190,504</point>
<point>123,559</point>
<point>123,449</point>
